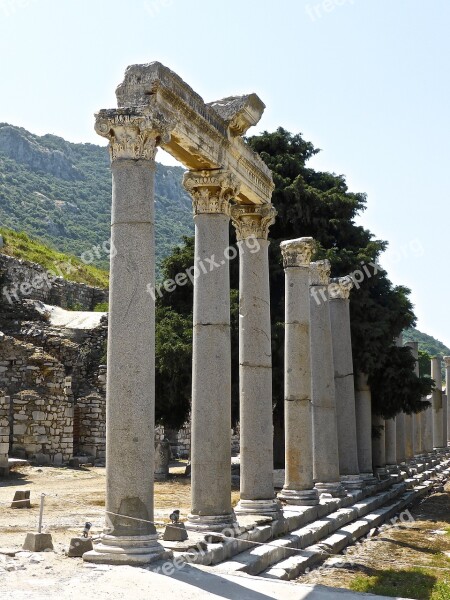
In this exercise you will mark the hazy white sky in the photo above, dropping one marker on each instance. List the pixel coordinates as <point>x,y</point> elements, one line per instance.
<point>367,81</point>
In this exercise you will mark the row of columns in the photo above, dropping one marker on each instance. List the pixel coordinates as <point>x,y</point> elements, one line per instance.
<point>328,427</point>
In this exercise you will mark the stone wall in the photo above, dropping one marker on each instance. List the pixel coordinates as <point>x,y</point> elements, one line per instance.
<point>90,426</point>
<point>21,280</point>
<point>180,441</point>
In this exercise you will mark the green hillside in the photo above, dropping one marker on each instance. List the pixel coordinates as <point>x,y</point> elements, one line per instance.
<point>60,193</point>
<point>426,343</point>
<point>20,245</point>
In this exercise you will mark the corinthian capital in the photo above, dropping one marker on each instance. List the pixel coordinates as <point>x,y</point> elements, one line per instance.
<point>297,253</point>
<point>133,133</point>
<point>211,191</point>
<point>340,288</point>
<point>320,272</point>
<point>447,361</point>
<point>252,220</point>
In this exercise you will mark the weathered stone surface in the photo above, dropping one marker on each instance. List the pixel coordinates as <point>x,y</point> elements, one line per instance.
<point>21,499</point>
<point>38,542</point>
<point>175,533</point>
<point>79,545</point>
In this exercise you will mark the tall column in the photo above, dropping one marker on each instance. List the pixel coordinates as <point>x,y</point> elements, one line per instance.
<point>255,361</point>
<point>299,484</point>
<point>379,447</point>
<point>390,436</point>
<point>325,438</point>
<point>363,400</point>
<point>427,426</point>
<point>416,417</point>
<point>445,419</point>
<point>211,509</point>
<point>339,292</point>
<point>438,421</point>
<point>447,389</point>
<point>130,537</point>
<point>400,432</point>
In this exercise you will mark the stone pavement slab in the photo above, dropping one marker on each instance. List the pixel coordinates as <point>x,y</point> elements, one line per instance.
<point>191,583</point>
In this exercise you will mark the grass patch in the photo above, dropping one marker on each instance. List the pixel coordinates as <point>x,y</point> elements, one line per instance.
<point>412,583</point>
<point>20,245</point>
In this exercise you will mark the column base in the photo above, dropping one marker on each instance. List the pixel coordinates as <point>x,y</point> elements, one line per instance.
<point>353,482</point>
<point>300,497</point>
<point>382,473</point>
<point>216,523</point>
<point>133,550</point>
<point>270,508</point>
<point>369,478</point>
<point>335,489</point>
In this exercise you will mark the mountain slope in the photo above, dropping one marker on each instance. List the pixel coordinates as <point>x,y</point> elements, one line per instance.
<point>427,343</point>
<point>60,193</point>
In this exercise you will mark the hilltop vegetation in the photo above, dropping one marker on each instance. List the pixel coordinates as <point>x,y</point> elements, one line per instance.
<point>20,245</point>
<point>60,193</point>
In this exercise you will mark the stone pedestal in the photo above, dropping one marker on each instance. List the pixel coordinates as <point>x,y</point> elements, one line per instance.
<point>325,437</point>
<point>211,368</point>
<point>299,484</point>
<point>38,542</point>
<point>390,435</point>
<point>339,293</point>
<point>438,410</point>
<point>255,361</point>
<point>363,401</point>
<point>130,536</point>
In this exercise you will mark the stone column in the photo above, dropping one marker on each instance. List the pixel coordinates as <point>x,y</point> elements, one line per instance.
<point>427,427</point>
<point>379,447</point>
<point>255,361</point>
<point>438,420</point>
<point>130,537</point>
<point>400,433</point>
<point>390,435</point>
<point>363,400</point>
<point>445,419</point>
<point>299,484</point>
<point>409,419</point>
<point>339,292</point>
<point>325,438</point>
<point>416,417</point>
<point>211,509</point>
<point>447,380</point>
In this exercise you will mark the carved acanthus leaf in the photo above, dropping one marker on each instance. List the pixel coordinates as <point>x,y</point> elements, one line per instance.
<point>320,272</point>
<point>252,220</point>
<point>297,253</point>
<point>211,191</point>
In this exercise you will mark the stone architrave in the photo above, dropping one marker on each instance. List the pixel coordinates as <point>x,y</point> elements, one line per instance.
<point>379,447</point>
<point>447,379</point>
<point>325,436</point>
<point>339,294</point>
<point>390,436</point>
<point>130,536</point>
<point>416,417</point>
<point>211,360</point>
<point>299,483</point>
<point>363,400</point>
<point>257,494</point>
<point>438,411</point>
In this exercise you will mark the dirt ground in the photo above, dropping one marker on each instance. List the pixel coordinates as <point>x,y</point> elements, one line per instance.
<point>409,560</point>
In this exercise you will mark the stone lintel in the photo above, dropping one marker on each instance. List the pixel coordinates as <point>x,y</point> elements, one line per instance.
<point>298,252</point>
<point>205,136</point>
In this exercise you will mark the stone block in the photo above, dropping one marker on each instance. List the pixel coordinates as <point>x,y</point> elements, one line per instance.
<point>175,533</point>
<point>38,542</point>
<point>21,499</point>
<point>80,545</point>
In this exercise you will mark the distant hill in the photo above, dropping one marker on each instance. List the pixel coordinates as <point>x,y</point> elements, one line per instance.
<point>60,192</point>
<point>426,343</point>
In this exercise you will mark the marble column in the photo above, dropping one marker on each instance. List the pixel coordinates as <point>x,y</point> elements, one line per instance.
<point>416,417</point>
<point>379,447</point>
<point>130,536</point>
<point>299,484</point>
<point>363,401</point>
<point>339,293</point>
<point>325,438</point>
<point>390,435</point>
<point>211,509</point>
<point>445,418</point>
<point>447,379</point>
<point>257,494</point>
<point>438,420</point>
<point>427,427</point>
<point>400,437</point>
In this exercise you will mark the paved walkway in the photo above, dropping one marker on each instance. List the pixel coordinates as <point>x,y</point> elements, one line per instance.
<point>191,583</point>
